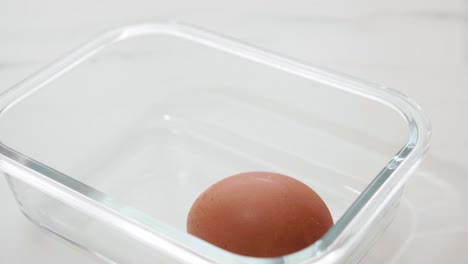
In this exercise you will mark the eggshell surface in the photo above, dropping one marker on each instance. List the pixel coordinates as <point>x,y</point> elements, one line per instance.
<point>259,214</point>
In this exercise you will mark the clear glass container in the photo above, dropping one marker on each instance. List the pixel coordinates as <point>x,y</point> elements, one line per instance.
<point>109,146</point>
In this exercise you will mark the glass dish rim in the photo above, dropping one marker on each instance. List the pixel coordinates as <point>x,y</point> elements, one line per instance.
<point>77,194</point>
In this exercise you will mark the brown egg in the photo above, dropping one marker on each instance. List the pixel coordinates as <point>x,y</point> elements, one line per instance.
<point>259,214</point>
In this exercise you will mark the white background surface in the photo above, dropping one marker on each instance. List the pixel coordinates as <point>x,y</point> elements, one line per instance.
<point>419,47</point>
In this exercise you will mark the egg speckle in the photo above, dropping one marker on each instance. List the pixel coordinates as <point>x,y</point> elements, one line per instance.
<point>259,214</point>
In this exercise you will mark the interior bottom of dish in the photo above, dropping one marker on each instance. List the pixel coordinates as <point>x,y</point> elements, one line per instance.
<point>159,158</point>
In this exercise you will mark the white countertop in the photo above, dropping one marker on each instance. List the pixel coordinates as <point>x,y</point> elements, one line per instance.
<point>417,47</point>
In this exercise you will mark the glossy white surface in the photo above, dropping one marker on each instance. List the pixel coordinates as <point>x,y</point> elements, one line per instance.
<point>417,47</point>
